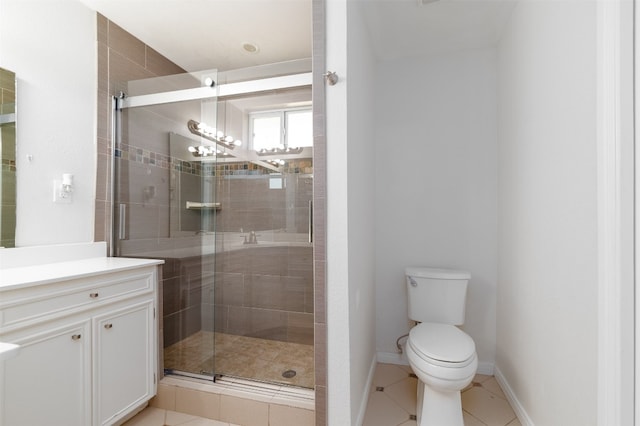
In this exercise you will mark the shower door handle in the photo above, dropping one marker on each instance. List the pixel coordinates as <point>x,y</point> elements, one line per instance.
<point>122,218</point>
<point>310,221</point>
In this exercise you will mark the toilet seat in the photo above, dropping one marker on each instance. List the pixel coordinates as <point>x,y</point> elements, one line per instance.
<point>442,344</point>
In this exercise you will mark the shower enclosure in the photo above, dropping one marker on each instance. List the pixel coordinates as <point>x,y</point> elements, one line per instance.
<point>213,173</point>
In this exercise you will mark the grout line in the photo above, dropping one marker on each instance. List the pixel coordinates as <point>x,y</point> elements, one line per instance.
<point>479,421</point>
<point>477,382</point>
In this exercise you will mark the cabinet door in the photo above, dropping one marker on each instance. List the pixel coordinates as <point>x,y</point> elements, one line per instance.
<point>124,361</point>
<point>48,383</point>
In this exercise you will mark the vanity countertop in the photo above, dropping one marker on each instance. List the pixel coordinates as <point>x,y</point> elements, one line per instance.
<point>27,276</point>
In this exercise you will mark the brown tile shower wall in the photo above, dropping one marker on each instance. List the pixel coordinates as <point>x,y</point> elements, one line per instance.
<point>265,292</point>
<point>248,204</point>
<point>260,291</point>
<point>121,57</point>
<point>183,294</point>
<point>319,209</point>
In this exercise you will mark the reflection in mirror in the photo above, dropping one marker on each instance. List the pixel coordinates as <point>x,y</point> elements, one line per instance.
<point>262,182</point>
<point>8,158</point>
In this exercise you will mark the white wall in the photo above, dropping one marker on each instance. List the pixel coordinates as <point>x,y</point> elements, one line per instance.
<point>436,185</point>
<point>350,219</point>
<point>51,46</point>
<point>360,134</point>
<point>547,293</point>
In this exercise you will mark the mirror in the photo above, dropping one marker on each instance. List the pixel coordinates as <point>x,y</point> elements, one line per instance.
<point>7,158</point>
<point>285,164</point>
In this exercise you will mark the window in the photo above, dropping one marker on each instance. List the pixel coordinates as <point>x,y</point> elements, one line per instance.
<point>280,129</point>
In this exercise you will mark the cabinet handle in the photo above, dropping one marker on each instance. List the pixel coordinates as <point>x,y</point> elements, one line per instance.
<point>76,336</point>
<point>93,295</point>
<point>108,326</point>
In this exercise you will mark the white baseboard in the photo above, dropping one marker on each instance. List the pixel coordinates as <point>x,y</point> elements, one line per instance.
<point>367,390</point>
<point>401,359</point>
<point>513,400</point>
<point>392,358</point>
<point>486,368</point>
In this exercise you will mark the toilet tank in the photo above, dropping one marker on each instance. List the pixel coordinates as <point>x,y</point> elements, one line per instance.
<point>437,295</point>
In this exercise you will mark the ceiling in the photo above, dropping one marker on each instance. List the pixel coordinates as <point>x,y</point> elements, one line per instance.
<point>205,34</point>
<point>405,28</point>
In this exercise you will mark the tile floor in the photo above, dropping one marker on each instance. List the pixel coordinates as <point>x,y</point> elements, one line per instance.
<point>241,356</point>
<point>151,416</point>
<point>392,402</point>
<point>483,402</point>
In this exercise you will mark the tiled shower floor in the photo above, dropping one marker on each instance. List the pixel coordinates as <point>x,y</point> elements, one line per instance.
<point>240,356</point>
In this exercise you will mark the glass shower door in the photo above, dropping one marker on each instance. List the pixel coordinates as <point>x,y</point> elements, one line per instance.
<point>264,270</point>
<point>222,211</point>
<point>165,205</point>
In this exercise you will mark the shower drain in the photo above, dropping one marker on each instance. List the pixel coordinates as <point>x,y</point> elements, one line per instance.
<point>289,374</point>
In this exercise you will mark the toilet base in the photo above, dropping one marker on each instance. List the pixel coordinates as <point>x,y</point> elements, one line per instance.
<point>437,408</point>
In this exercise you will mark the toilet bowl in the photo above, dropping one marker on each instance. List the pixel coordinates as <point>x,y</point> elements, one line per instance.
<point>442,356</point>
<point>445,361</point>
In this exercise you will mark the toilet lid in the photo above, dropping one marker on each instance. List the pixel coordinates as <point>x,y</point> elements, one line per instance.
<point>442,342</point>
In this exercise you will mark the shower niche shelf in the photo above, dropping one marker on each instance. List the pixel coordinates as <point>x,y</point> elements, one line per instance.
<point>194,205</point>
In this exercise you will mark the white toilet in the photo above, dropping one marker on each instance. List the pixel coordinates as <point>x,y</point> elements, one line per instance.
<point>441,355</point>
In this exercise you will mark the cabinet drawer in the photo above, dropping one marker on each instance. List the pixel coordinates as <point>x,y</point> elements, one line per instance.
<point>73,296</point>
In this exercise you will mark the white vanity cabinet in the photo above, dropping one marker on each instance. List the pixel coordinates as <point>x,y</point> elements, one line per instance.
<point>88,346</point>
<point>121,350</point>
<point>49,382</point>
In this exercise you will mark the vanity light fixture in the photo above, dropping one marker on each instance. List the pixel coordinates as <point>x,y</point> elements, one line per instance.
<point>207,151</point>
<point>210,133</point>
<point>275,151</point>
